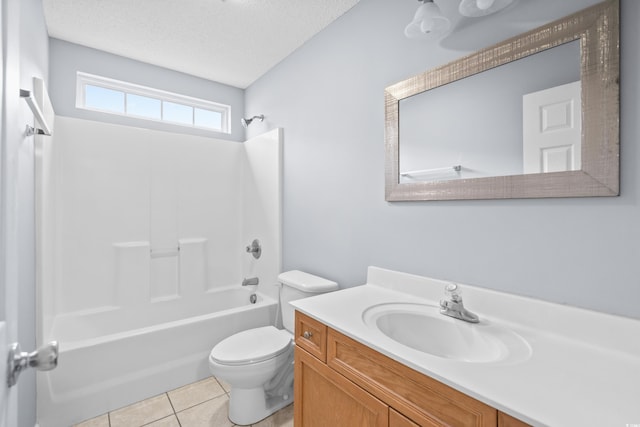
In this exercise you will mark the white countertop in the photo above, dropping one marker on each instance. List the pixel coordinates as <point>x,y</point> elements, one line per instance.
<point>583,368</point>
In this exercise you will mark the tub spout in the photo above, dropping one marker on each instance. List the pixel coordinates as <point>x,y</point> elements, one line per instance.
<point>252,281</point>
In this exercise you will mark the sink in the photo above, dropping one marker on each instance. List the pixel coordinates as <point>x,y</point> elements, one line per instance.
<point>421,327</point>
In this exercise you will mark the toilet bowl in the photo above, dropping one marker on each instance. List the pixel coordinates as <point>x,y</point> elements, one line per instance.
<point>258,363</point>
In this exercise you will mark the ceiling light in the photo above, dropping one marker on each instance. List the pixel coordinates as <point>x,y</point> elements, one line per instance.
<point>428,21</point>
<point>477,8</point>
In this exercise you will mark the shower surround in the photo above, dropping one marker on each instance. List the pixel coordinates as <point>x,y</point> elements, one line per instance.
<point>141,242</point>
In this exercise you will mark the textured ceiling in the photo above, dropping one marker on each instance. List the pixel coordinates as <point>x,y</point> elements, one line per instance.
<point>228,41</point>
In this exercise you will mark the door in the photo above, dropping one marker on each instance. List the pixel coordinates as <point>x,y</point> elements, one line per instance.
<point>3,296</point>
<point>552,137</point>
<point>8,288</point>
<point>17,404</point>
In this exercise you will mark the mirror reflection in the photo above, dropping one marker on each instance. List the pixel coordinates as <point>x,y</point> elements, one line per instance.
<point>519,118</point>
<point>536,115</point>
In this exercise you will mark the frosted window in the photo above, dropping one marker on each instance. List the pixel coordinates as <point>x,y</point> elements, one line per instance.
<point>143,106</point>
<point>104,99</point>
<point>117,97</point>
<point>177,113</point>
<point>207,119</point>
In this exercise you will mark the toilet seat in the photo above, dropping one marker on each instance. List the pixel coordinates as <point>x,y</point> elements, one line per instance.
<point>251,346</point>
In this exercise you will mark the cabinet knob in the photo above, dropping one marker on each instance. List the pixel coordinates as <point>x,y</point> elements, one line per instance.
<point>307,334</point>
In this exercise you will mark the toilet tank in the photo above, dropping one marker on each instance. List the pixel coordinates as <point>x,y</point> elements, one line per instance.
<point>297,285</point>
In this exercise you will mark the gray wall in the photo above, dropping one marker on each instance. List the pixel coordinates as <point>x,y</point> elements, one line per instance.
<point>328,96</point>
<point>68,58</point>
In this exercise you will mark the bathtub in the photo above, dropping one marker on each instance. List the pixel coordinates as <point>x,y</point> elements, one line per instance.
<point>112,357</point>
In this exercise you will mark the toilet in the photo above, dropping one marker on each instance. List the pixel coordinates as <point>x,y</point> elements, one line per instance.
<point>258,363</point>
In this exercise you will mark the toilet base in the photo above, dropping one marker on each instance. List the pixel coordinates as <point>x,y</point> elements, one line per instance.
<point>248,406</point>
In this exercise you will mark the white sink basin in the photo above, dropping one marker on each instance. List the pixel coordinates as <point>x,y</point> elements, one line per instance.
<point>421,327</point>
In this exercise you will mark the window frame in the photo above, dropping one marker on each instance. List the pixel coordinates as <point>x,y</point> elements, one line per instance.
<point>83,79</point>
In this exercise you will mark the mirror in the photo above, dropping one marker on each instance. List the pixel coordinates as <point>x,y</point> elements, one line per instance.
<point>442,138</point>
<point>539,119</point>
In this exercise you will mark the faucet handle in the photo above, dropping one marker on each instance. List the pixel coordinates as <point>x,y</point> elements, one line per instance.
<point>453,292</point>
<point>452,305</point>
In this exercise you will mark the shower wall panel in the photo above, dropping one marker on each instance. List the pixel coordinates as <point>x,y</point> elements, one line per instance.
<point>262,207</point>
<point>143,216</point>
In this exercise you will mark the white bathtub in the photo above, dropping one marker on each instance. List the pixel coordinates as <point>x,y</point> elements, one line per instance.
<point>114,357</point>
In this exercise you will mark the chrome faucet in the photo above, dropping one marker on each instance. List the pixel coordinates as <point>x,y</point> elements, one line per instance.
<point>252,281</point>
<point>452,305</point>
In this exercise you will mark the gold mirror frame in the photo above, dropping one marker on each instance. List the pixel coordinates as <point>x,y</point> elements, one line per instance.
<point>598,29</point>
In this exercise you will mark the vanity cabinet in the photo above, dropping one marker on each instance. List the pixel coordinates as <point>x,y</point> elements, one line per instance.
<point>396,419</point>
<point>341,382</point>
<point>325,398</point>
<point>311,335</point>
<point>505,420</point>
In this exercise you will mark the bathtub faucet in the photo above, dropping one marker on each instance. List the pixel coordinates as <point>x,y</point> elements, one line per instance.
<point>252,281</point>
<point>255,249</point>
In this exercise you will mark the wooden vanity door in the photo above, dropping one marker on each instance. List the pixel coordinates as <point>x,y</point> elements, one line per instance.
<point>396,419</point>
<point>324,398</point>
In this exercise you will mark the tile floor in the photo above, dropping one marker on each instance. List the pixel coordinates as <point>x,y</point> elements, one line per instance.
<point>201,404</point>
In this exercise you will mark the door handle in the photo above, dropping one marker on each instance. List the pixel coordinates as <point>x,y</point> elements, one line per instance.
<point>43,359</point>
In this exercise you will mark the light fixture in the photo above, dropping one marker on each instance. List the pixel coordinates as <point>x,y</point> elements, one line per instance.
<point>428,22</point>
<point>477,8</point>
<point>247,122</point>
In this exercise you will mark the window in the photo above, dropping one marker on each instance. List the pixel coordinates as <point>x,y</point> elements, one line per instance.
<point>127,99</point>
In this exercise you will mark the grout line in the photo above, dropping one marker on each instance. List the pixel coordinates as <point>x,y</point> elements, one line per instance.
<point>175,413</point>
<point>195,404</point>
<point>159,419</point>
<point>173,408</point>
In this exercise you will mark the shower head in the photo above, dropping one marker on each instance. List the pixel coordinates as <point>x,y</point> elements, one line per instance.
<point>247,122</point>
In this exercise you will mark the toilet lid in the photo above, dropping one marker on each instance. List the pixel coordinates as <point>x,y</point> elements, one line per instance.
<point>251,346</point>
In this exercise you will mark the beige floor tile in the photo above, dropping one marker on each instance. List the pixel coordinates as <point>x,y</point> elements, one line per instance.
<point>212,413</point>
<point>171,421</point>
<point>282,418</point>
<point>193,394</point>
<point>142,413</point>
<point>225,385</point>
<point>101,421</point>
